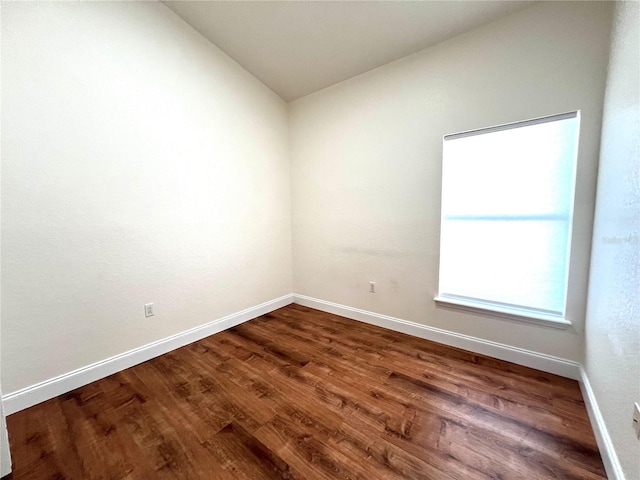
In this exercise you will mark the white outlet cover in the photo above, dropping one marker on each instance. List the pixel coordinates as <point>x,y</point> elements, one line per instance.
<point>148,309</point>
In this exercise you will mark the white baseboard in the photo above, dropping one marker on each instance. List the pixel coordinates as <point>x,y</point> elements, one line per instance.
<point>608,453</point>
<point>26,397</point>
<point>539,361</point>
<point>5,457</point>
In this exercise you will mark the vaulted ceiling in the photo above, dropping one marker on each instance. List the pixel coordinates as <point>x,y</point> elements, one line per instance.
<point>299,47</point>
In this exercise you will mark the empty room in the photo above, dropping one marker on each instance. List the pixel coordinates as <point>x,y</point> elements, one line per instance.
<point>320,240</point>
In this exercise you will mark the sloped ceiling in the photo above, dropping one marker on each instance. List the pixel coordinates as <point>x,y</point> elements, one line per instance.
<point>299,47</point>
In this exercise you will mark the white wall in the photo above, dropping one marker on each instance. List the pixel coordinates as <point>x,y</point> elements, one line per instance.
<point>5,457</point>
<point>612,356</point>
<point>366,164</point>
<point>139,164</point>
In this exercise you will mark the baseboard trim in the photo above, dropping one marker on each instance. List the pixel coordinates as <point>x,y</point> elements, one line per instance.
<point>19,400</point>
<point>605,445</point>
<point>520,356</point>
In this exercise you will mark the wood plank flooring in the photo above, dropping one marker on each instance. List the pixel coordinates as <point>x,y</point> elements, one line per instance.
<point>302,394</point>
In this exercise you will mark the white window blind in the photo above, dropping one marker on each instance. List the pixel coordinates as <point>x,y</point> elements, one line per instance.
<point>507,205</point>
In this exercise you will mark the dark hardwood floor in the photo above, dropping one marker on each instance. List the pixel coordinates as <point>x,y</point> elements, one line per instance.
<point>302,394</point>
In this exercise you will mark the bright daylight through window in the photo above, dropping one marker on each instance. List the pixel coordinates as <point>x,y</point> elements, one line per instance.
<point>507,205</point>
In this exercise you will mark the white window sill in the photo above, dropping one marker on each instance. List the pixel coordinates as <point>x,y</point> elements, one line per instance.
<point>503,312</point>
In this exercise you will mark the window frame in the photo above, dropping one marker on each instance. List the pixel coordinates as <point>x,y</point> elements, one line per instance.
<point>502,310</point>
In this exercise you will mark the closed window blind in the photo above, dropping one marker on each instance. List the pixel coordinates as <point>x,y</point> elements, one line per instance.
<point>507,205</point>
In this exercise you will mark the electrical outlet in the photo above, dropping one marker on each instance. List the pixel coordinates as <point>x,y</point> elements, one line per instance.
<point>636,419</point>
<point>148,309</point>
<point>372,287</point>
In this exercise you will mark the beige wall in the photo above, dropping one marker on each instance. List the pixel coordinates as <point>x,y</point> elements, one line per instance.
<point>612,356</point>
<point>139,164</point>
<point>366,164</point>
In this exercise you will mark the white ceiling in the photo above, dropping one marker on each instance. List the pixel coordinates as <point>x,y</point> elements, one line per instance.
<point>299,47</point>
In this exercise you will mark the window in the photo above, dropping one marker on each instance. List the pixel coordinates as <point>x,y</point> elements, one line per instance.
<point>507,205</point>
